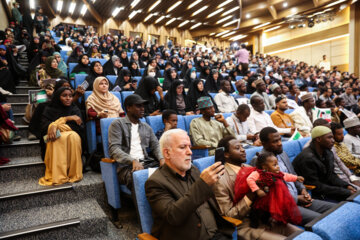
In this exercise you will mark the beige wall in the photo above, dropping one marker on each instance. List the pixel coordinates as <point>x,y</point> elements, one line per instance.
<point>4,23</point>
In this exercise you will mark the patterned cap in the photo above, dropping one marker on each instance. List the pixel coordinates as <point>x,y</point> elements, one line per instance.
<point>258,81</point>
<point>306,96</point>
<point>204,102</point>
<point>351,122</point>
<point>319,131</point>
<point>274,86</point>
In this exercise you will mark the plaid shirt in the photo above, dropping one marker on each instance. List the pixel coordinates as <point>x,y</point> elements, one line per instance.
<point>346,156</point>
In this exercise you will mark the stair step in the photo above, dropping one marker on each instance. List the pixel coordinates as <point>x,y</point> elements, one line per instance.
<point>22,194</point>
<point>93,221</point>
<point>22,168</point>
<point>23,130</point>
<point>25,89</point>
<point>18,107</point>
<point>21,148</point>
<point>23,83</point>
<point>18,117</point>
<point>17,98</point>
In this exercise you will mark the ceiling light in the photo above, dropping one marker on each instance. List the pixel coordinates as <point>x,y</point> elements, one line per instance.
<point>211,34</point>
<point>271,29</point>
<point>194,3</point>
<point>196,25</point>
<point>222,33</point>
<point>230,11</point>
<point>148,17</point>
<point>183,23</point>
<point>261,25</point>
<point>116,11</point>
<point>32,4</point>
<point>133,13</point>
<point>256,21</point>
<point>248,15</point>
<point>72,7</point>
<point>93,1</point>
<point>159,19</point>
<point>154,5</point>
<point>238,37</point>
<point>294,10</point>
<point>228,34</point>
<point>83,10</point>
<point>174,6</point>
<point>285,4</point>
<point>170,21</point>
<point>200,10</point>
<point>334,3</point>
<point>224,19</point>
<point>216,12</point>
<point>59,5</point>
<point>224,3</point>
<point>230,23</point>
<point>134,3</point>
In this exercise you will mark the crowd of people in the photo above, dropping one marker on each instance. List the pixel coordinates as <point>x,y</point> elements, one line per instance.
<point>269,100</point>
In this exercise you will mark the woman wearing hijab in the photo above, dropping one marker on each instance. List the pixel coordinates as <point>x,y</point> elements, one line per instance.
<point>212,84</point>
<point>61,64</point>
<point>125,81</point>
<point>175,99</point>
<point>82,67</point>
<point>170,76</point>
<point>135,58</point>
<point>190,76</point>
<point>196,91</point>
<point>134,69</point>
<point>146,89</point>
<point>175,63</point>
<point>184,69</point>
<point>113,66</point>
<point>75,55</point>
<point>96,70</point>
<point>205,72</point>
<point>103,49</point>
<point>124,59</point>
<point>49,71</point>
<point>64,129</point>
<point>102,103</point>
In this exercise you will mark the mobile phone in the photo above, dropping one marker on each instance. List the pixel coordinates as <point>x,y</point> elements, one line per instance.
<point>219,155</point>
<point>106,111</point>
<point>58,134</point>
<point>84,85</point>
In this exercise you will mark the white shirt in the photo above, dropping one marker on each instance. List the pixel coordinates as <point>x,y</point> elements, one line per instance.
<point>353,144</point>
<point>242,127</point>
<point>135,148</point>
<point>257,121</point>
<point>326,64</point>
<point>226,103</point>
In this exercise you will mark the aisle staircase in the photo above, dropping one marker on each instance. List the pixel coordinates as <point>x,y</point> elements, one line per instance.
<point>31,211</point>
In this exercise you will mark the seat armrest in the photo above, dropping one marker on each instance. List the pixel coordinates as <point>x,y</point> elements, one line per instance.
<point>235,222</point>
<point>352,167</point>
<point>309,187</point>
<point>108,160</point>
<point>146,236</point>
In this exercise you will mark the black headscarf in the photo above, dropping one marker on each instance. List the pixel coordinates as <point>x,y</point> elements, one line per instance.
<point>93,75</point>
<point>134,72</point>
<point>74,58</point>
<point>167,78</point>
<point>187,78</point>
<point>203,74</point>
<point>144,90</point>
<point>121,82</point>
<point>210,84</point>
<point>80,67</point>
<point>124,61</point>
<point>194,94</point>
<point>170,98</point>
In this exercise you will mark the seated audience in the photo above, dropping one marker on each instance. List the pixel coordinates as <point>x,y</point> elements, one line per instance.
<point>82,67</point>
<point>175,99</point>
<point>195,92</point>
<point>75,55</point>
<point>181,199</point>
<point>350,100</point>
<point>64,130</point>
<point>170,75</point>
<point>113,66</point>
<point>351,140</point>
<point>61,65</point>
<point>261,92</point>
<point>130,139</point>
<point>49,71</point>
<point>305,115</point>
<point>316,164</point>
<point>309,208</point>
<point>170,120</point>
<point>212,84</point>
<point>101,103</point>
<point>225,102</point>
<point>235,158</point>
<point>276,90</point>
<point>240,89</point>
<point>207,132</point>
<point>134,69</point>
<point>125,81</point>
<point>146,89</point>
<point>259,119</point>
<point>96,70</point>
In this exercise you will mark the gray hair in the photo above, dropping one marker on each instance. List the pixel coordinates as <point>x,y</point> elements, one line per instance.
<point>167,136</point>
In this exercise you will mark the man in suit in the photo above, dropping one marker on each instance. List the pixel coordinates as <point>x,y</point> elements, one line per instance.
<point>235,157</point>
<point>181,199</point>
<point>309,208</point>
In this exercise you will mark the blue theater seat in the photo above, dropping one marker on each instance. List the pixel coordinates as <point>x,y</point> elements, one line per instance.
<point>157,124</point>
<point>101,60</point>
<point>112,78</point>
<point>71,67</point>
<point>124,94</point>
<point>237,78</point>
<point>292,149</point>
<point>79,79</point>
<point>300,235</point>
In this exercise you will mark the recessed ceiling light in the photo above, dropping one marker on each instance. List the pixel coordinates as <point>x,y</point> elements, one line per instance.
<point>159,19</point>
<point>261,25</point>
<point>116,11</point>
<point>174,6</point>
<point>200,10</point>
<point>216,12</point>
<point>222,33</point>
<point>273,28</point>
<point>248,15</point>
<point>183,23</point>
<point>83,10</point>
<point>285,4</point>
<point>59,5</point>
<point>224,19</point>
<point>170,21</point>
<point>154,5</point>
<point>230,11</point>
<point>196,25</point>
<point>225,3</point>
<point>148,17</point>
<point>72,7</point>
<point>134,3</point>
<point>194,4</point>
<point>230,23</point>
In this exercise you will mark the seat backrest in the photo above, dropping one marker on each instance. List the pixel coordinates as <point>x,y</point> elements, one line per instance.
<point>124,94</point>
<point>289,111</point>
<point>162,72</point>
<point>213,95</point>
<point>71,66</point>
<point>198,75</point>
<point>157,124</point>
<point>269,111</point>
<point>303,141</point>
<point>112,78</point>
<point>304,236</point>
<point>142,204</point>
<point>251,152</point>
<point>239,78</point>
<point>292,149</point>
<point>79,79</point>
<point>142,71</point>
<point>226,115</point>
<point>342,223</point>
<point>181,122</point>
<point>101,60</point>
<point>202,163</point>
<point>104,126</point>
<point>188,120</point>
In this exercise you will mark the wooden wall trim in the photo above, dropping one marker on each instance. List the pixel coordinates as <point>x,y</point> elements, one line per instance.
<point>332,32</point>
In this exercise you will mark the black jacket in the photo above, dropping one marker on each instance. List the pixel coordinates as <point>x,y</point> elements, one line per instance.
<point>319,171</point>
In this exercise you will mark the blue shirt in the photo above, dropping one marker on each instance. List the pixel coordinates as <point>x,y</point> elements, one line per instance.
<point>290,185</point>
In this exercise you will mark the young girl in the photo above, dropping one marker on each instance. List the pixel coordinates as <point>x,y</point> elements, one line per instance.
<point>273,196</point>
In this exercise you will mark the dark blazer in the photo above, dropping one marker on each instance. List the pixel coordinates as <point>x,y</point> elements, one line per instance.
<point>319,171</point>
<point>175,212</point>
